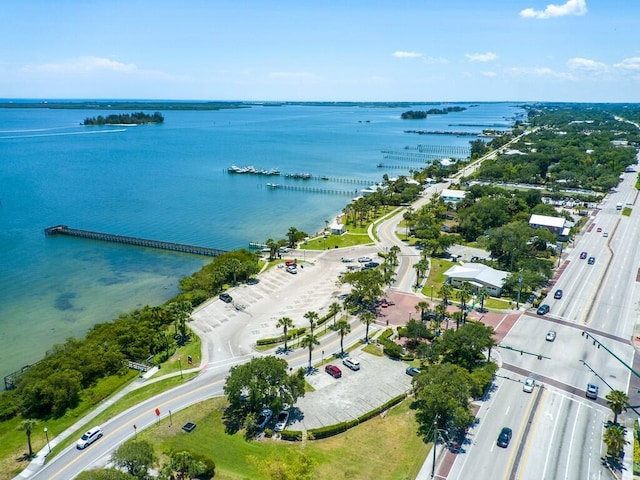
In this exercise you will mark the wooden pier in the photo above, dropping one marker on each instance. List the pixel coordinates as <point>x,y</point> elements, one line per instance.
<point>297,188</point>
<point>139,242</point>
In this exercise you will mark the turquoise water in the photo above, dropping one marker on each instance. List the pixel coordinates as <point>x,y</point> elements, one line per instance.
<point>169,182</point>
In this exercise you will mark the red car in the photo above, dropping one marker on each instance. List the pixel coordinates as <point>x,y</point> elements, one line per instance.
<point>334,371</point>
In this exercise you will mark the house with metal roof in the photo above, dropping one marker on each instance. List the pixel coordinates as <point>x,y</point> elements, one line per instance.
<point>479,275</point>
<point>452,196</point>
<point>555,225</point>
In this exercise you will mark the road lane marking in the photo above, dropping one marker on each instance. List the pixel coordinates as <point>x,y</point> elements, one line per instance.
<point>536,419</point>
<point>553,434</point>
<point>506,412</point>
<point>573,432</point>
<point>130,424</point>
<point>525,418</point>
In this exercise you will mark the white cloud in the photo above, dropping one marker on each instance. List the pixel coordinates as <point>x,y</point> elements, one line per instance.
<point>572,7</point>
<point>584,64</point>
<point>401,54</point>
<point>632,63</point>
<point>82,64</point>
<point>490,74</point>
<point>481,57</point>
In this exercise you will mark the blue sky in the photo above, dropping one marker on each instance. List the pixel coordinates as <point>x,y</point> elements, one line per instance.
<point>322,50</point>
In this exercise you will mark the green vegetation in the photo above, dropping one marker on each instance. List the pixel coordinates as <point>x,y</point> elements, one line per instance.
<point>237,458</point>
<point>138,118</point>
<point>573,147</point>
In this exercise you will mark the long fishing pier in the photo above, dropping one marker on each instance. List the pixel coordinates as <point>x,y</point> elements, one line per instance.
<point>139,242</point>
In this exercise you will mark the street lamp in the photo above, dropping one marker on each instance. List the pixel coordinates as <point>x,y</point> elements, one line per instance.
<point>180,365</point>
<point>46,433</point>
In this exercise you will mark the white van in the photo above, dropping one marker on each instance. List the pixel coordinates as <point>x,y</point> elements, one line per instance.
<point>89,437</point>
<point>352,363</point>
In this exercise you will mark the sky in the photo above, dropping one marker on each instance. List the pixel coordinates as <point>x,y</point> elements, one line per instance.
<point>322,50</point>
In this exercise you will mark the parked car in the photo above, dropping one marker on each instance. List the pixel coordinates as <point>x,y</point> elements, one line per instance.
<point>226,298</point>
<point>583,255</point>
<point>89,437</point>
<point>371,264</point>
<point>364,259</point>
<point>591,260</point>
<point>529,385</point>
<point>592,391</point>
<point>352,363</point>
<point>551,335</point>
<point>263,418</point>
<point>346,259</point>
<point>558,294</point>
<point>290,263</point>
<point>282,420</point>
<point>505,437</point>
<point>292,269</point>
<point>413,371</point>
<point>543,309</point>
<point>334,371</point>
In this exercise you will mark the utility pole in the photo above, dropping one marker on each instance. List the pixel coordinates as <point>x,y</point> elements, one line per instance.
<point>435,442</point>
<point>519,290</point>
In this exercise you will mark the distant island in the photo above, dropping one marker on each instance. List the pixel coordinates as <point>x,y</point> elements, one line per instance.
<point>420,114</point>
<point>139,118</point>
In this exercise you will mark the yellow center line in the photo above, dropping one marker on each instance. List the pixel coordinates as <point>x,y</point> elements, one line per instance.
<point>523,461</point>
<point>514,451</point>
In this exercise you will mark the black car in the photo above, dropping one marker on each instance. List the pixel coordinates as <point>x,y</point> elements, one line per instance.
<point>558,294</point>
<point>226,298</point>
<point>543,309</point>
<point>505,437</point>
<point>371,264</point>
<point>591,260</point>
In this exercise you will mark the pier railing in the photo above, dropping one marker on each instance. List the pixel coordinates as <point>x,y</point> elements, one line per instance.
<point>139,242</point>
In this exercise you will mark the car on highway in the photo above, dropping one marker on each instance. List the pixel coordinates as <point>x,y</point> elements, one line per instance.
<point>505,437</point>
<point>365,259</point>
<point>226,298</point>
<point>543,309</point>
<point>529,385</point>
<point>558,294</point>
<point>263,418</point>
<point>591,391</point>
<point>281,421</point>
<point>89,437</point>
<point>334,371</point>
<point>551,336</point>
<point>412,371</point>
<point>591,260</point>
<point>583,255</point>
<point>605,234</point>
<point>599,230</point>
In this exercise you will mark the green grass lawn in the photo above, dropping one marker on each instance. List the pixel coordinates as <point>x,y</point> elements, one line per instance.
<point>382,448</point>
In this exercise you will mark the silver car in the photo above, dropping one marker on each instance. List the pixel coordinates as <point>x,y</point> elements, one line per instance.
<point>529,385</point>
<point>551,335</point>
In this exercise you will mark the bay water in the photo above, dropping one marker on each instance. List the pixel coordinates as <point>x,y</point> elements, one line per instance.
<point>170,182</point>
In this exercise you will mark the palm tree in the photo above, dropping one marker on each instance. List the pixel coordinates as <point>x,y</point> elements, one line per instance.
<point>441,311</point>
<point>421,307</point>
<point>343,328</point>
<point>334,310</point>
<point>367,318</point>
<point>618,402</point>
<point>408,219</point>
<point>273,248</point>
<point>309,341</point>
<point>465,294</point>
<point>482,295</point>
<point>445,292</point>
<point>393,255</point>
<point>27,426</point>
<point>313,319</point>
<point>285,323</point>
<point>614,439</point>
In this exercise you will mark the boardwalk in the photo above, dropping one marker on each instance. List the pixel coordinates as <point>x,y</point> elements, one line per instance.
<point>139,242</point>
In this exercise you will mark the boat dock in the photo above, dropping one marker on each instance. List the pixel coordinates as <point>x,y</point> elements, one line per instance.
<point>297,188</point>
<point>139,242</point>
